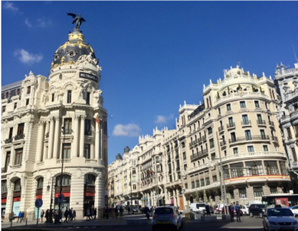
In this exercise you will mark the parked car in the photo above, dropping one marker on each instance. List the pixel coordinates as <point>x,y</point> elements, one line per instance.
<point>218,208</point>
<point>294,209</point>
<point>244,209</point>
<point>279,218</point>
<point>166,217</point>
<point>256,210</point>
<point>198,207</point>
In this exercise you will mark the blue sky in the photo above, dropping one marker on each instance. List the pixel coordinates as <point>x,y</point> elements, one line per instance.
<point>154,55</point>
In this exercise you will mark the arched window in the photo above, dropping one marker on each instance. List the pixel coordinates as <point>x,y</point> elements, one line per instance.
<point>90,179</point>
<point>66,180</point>
<point>40,182</point>
<point>17,185</point>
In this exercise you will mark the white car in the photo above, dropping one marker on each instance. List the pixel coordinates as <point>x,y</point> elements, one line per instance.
<point>244,209</point>
<point>279,218</point>
<point>295,209</point>
<point>166,217</point>
<point>198,207</point>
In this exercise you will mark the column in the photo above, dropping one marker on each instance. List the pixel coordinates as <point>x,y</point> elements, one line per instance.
<point>278,166</point>
<point>76,136</point>
<point>56,138</point>
<point>99,202</point>
<point>45,151</point>
<point>12,155</point>
<point>92,154</point>
<point>82,136</point>
<point>39,152</point>
<point>9,199</point>
<point>77,195</point>
<point>50,144</point>
<point>96,141</point>
<point>264,168</point>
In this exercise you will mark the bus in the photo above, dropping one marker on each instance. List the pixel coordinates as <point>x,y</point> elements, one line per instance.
<point>288,200</point>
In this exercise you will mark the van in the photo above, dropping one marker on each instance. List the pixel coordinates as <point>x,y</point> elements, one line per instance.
<point>198,207</point>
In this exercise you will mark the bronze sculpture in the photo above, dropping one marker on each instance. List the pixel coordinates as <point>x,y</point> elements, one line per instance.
<point>77,19</point>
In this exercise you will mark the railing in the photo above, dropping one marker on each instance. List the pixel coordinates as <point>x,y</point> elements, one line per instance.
<point>7,141</point>
<point>274,138</point>
<point>90,161</point>
<point>64,160</point>
<point>19,137</point>
<point>231,125</point>
<point>88,133</point>
<point>199,154</point>
<point>271,123</point>
<point>223,143</point>
<point>220,128</point>
<point>248,138</point>
<point>261,122</point>
<point>246,122</point>
<point>67,131</point>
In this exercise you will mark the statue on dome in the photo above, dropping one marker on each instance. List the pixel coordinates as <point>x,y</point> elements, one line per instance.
<point>77,19</point>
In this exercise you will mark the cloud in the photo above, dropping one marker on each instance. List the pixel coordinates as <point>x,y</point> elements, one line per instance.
<point>28,23</point>
<point>43,22</point>
<point>10,6</point>
<point>26,57</point>
<point>163,119</point>
<point>126,130</point>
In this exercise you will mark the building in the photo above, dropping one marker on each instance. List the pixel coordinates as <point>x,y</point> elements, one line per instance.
<point>54,135</point>
<point>228,147</point>
<point>286,81</point>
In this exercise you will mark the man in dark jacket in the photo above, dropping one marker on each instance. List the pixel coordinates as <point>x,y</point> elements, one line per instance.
<point>66,216</point>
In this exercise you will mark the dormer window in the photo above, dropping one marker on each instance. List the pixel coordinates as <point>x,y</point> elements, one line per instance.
<point>6,95</point>
<point>28,90</point>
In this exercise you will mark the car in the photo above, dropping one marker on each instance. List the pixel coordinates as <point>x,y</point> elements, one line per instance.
<point>256,210</point>
<point>198,207</point>
<point>295,209</point>
<point>279,218</point>
<point>166,217</point>
<point>244,209</point>
<point>134,209</point>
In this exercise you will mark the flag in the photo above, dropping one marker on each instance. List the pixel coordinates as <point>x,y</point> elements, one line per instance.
<point>97,121</point>
<point>151,172</point>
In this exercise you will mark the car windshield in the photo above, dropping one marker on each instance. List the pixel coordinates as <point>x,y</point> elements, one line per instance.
<point>279,213</point>
<point>200,205</point>
<point>163,211</point>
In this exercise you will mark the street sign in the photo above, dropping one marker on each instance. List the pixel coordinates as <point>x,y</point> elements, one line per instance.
<point>38,203</point>
<point>60,198</point>
<point>243,196</point>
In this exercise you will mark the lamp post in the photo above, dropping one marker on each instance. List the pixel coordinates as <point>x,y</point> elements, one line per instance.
<point>130,188</point>
<point>62,161</point>
<point>51,204</point>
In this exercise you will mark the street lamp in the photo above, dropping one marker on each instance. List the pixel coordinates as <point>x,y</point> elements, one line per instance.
<point>62,160</point>
<point>130,188</point>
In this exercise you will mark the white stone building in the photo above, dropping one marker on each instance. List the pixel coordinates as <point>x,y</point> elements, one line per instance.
<point>47,121</point>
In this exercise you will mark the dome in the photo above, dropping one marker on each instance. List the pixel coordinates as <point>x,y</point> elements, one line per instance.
<point>70,51</point>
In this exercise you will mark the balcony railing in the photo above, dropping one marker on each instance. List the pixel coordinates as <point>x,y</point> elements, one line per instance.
<point>67,131</point>
<point>261,122</point>
<point>88,133</point>
<point>274,138</point>
<point>223,143</point>
<point>271,123</point>
<point>231,125</point>
<point>220,128</point>
<point>199,154</point>
<point>7,141</point>
<point>248,138</point>
<point>19,137</point>
<point>246,122</point>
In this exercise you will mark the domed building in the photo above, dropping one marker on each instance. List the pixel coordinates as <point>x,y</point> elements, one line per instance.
<point>54,136</point>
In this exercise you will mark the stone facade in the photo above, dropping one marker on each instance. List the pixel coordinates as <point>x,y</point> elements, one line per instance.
<point>55,122</point>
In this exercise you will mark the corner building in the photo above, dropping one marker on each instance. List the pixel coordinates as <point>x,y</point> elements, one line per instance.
<point>46,120</point>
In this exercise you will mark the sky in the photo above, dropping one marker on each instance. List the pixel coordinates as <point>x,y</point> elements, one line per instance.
<point>154,55</point>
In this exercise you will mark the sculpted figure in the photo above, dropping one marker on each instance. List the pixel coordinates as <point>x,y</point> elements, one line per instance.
<point>77,19</point>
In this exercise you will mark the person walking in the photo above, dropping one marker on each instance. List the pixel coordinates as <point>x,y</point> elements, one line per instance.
<point>116,213</point>
<point>207,207</point>
<point>19,216</point>
<point>66,216</point>
<point>41,215</point>
<point>231,210</point>
<point>74,214</point>
<point>128,209</point>
<point>147,212</point>
<point>238,212</point>
<point>47,216</point>
<point>22,216</point>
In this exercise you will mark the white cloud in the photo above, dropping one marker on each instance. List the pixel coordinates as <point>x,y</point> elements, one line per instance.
<point>28,23</point>
<point>163,119</point>
<point>43,22</point>
<point>126,130</point>
<point>10,6</point>
<point>26,57</point>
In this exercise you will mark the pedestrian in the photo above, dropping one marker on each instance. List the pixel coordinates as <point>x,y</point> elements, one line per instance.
<point>74,214</point>
<point>238,212</point>
<point>47,216</point>
<point>19,216</point>
<point>95,213</point>
<point>88,214</point>
<point>207,207</point>
<point>70,215</point>
<point>121,212</point>
<point>116,213</point>
<point>22,217</point>
<point>41,215</point>
<point>128,209</point>
<point>147,212</point>
<point>66,216</point>
<point>231,210</point>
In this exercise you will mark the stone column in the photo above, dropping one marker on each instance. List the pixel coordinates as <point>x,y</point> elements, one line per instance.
<point>56,138</point>
<point>96,141</point>
<point>12,156</point>
<point>45,150</point>
<point>77,193</point>
<point>9,199</point>
<point>82,136</point>
<point>278,166</point>
<point>99,191</point>
<point>50,144</point>
<point>76,136</point>
<point>38,156</point>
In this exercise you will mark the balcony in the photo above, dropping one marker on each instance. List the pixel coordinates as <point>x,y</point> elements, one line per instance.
<point>198,155</point>
<point>246,123</point>
<point>274,139</point>
<point>231,125</point>
<point>221,128</point>
<point>47,135</point>
<point>248,138</point>
<point>271,123</point>
<point>88,133</point>
<point>261,122</point>
<point>4,170</point>
<point>7,141</point>
<point>19,137</point>
<point>223,143</point>
<point>67,131</point>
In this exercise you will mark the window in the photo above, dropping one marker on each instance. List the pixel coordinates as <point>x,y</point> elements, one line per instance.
<point>89,179</point>
<point>66,180</point>
<point>21,129</point>
<point>87,127</point>
<point>207,181</point>
<point>242,104</point>
<point>53,97</point>
<point>68,125</point>
<point>265,148</point>
<point>15,105</point>
<point>17,185</point>
<point>250,148</point>
<point>273,190</point>
<point>235,151</point>
<point>231,122</point>
<point>18,156</point>
<point>219,112</point>
<point>27,102</point>
<point>28,90</point>
<point>209,130</point>
<point>263,136</point>
<point>183,145</point>
<point>202,182</point>
<point>242,192</point>
<point>294,154</point>
<point>213,156</point>
<point>245,119</point>
<point>289,133</point>
<point>66,151</point>
<point>3,108</point>
<point>214,178</point>
<point>257,104</point>
<point>197,183</point>
<point>6,95</point>
<point>247,134</point>
<point>10,133</point>
<point>87,151</point>
<point>88,98</point>
<point>259,117</point>
<point>233,137</point>
<point>228,107</point>
<point>211,141</point>
<point>258,191</point>
<point>68,96</point>
<point>184,155</point>
<point>134,187</point>
<point>4,186</point>
<point>186,186</point>
<point>18,91</point>
<point>40,182</point>
<point>192,184</point>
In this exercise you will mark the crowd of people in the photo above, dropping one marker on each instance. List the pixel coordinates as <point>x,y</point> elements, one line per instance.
<point>57,216</point>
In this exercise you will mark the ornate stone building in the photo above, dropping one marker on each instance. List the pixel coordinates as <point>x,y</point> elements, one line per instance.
<point>287,83</point>
<point>55,122</point>
<point>234,134</point>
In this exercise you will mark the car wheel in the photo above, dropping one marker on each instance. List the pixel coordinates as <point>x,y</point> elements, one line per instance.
<point>261,215</point>
<point>251,215</point>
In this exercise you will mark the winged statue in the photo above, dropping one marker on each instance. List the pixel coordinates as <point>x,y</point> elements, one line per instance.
<point>77,19</point>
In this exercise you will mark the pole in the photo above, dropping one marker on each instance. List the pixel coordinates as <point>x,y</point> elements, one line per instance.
<point>62,160</point>
<point>51,211</point>
<point>130,189</point>
<point>37,218</point>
